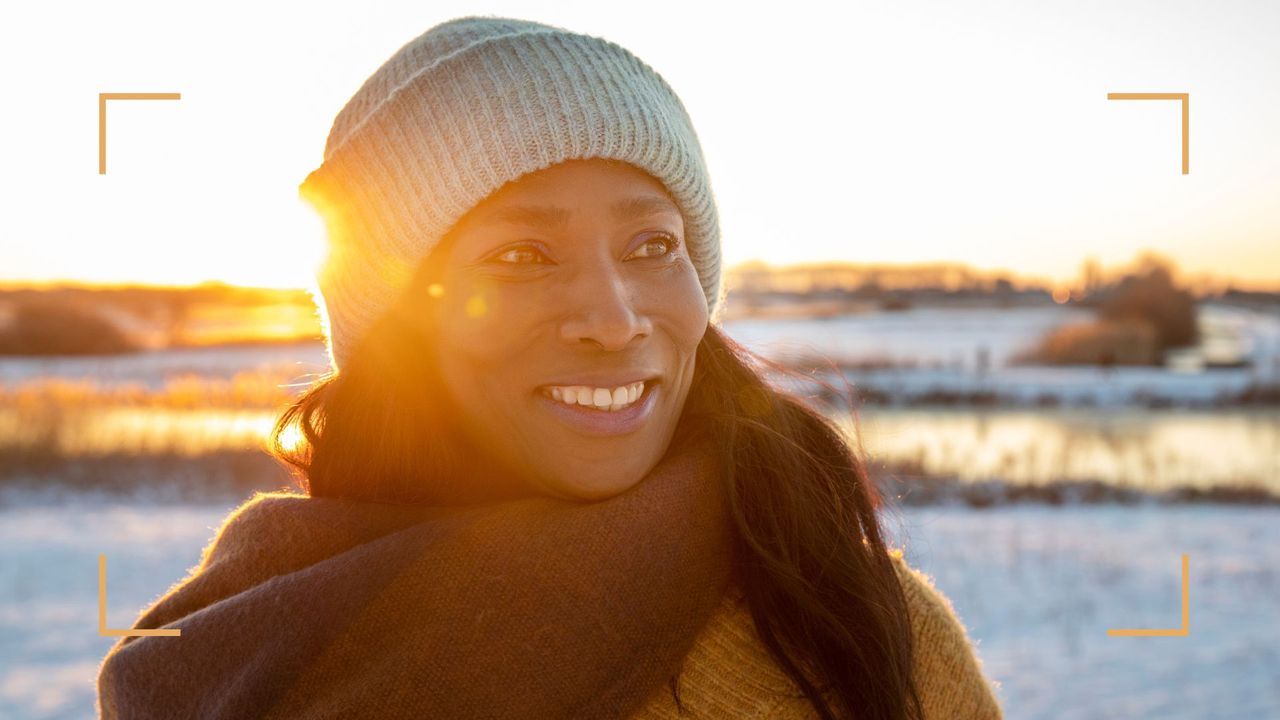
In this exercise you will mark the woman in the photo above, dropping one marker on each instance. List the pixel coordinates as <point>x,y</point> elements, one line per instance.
<point>541,482</point>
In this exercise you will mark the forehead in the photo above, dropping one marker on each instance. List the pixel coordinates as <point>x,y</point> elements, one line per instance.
<point>549,197</point>
<point>580,179</point>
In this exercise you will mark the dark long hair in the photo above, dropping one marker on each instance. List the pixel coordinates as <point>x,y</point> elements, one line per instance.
<point>809,550</point>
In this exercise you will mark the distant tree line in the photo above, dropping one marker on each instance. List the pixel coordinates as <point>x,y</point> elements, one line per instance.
<point>42,326</point>
<point>84,320</point>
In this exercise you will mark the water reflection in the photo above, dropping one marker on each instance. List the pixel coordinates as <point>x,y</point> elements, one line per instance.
<point>134,430</point>
<point>1126,447</point>
<point>1136,448</point>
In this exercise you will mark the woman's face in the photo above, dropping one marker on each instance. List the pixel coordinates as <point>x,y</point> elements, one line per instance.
<point>573,282</point>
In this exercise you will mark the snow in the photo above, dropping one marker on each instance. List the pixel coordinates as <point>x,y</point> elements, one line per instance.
<point>1036,586</point>
<point>1082,386</point>
<point>948,335</point>
<point>151,369</point>
<point>1039,586</point>
<point>964,353</point>
<point>49,642</point>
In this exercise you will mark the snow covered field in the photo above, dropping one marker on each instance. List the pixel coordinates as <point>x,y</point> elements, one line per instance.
<point>1037,587</point>
<point>964,353</point>
<point>960,337</point>
<point>152,369</point>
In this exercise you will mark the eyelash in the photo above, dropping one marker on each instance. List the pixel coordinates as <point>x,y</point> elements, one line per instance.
<point>672,241</point>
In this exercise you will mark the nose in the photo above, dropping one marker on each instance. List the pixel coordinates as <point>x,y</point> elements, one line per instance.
<point>604,313</point>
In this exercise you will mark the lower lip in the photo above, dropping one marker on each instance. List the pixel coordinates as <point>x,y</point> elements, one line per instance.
<point>602,422</point>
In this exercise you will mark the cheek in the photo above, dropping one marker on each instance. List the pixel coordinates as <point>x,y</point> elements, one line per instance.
<point>480,348</point>
<point>480,323</point>
<point>685,305</point>
<point>477,381</point>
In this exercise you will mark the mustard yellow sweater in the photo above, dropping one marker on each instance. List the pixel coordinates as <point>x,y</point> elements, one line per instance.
<point>730,674</point>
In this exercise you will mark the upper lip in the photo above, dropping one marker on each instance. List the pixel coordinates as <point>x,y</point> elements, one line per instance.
<point>607,379</point>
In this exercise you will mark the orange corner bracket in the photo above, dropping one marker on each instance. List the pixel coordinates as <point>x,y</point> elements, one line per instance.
<point>1186,101</point>
<point>1186,612</point>
<point>102,118</point>
<point>102,611</point>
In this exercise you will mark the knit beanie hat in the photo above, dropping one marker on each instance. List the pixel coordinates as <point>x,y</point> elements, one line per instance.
<point>458,112</point>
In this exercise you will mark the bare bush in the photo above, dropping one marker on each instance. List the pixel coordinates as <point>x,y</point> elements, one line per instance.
<point>1150,296</point>
<point>1096,343</point>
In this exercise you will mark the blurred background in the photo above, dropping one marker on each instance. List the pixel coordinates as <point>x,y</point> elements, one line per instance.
<point>1058,353</point>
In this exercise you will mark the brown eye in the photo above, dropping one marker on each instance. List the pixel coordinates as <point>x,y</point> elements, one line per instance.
<point>669,242</point>
<point>522,251</point>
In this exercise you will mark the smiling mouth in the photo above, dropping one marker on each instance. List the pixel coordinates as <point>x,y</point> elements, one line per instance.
<point>602,400</point>
<point>613,420</point>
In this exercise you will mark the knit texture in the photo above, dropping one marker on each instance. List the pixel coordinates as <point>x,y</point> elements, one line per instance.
<point>463,109</point>
<point>230,662</point>
<point>307,608</point>
<point>729,673</point>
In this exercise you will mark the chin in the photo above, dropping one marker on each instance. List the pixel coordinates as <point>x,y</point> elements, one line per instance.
<point>600,489</point>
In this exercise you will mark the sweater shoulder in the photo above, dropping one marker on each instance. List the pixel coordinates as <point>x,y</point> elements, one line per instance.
<point>948,669</point>
<point>729,673</point>
<point>240,529</point>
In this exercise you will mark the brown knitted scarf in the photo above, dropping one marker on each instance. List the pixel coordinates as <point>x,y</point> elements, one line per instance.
<point>308,607</point>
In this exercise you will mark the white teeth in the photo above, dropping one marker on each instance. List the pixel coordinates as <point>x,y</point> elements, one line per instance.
<point>598,398</point>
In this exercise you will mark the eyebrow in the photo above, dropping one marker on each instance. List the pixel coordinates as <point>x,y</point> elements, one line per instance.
<point>554,218</point>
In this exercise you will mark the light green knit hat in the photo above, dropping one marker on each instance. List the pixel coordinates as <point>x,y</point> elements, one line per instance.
<point>458,112</point>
